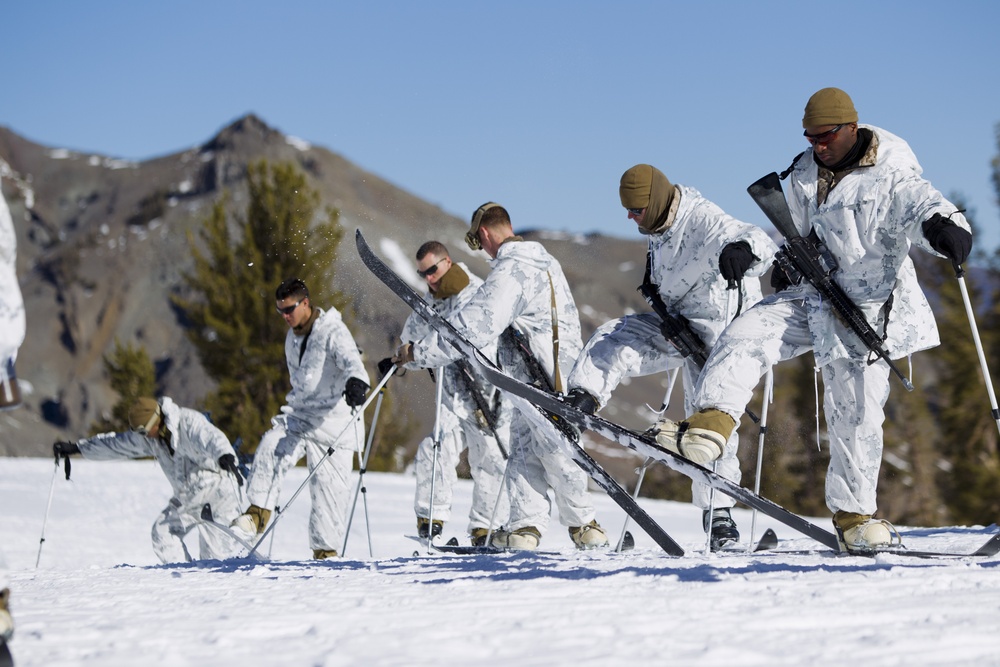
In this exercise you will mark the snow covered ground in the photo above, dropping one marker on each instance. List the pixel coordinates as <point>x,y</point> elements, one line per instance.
<point>99,597</point>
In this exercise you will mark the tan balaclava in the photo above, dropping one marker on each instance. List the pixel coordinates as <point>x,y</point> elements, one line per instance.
<point>452,282</point>
<point>645,186</point>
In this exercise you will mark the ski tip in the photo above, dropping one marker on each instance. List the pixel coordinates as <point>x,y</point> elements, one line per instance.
<point>627,542</point>
<point>769,540</point>
<point>991,548</point>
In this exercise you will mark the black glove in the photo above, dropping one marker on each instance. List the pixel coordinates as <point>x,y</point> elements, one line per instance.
<point>228,463</point>
<point>384,367</point>
<point>355,392</point>
<point>779,279</point>
<point>734,260</point>
<point>948,238</point>
<point>63,449</point>
<point>582,400</point>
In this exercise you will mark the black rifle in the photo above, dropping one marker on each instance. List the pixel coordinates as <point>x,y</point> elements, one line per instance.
<point>803,256</point>
<point>489,414</point>
<point>539,377</point>
<point>687,342</point>
<point>682,336</point>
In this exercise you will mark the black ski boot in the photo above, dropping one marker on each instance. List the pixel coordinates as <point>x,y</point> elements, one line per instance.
<point>723,528</point>
<point>423,525</point>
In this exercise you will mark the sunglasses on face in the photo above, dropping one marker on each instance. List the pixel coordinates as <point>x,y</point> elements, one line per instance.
<point>430,270</point>
<point>636,211</point>
<point>822,137</point>
<point>288,310</point>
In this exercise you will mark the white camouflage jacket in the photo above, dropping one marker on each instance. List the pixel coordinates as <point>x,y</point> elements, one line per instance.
<point>518,291</point>
<point>685,263</point>
<point>319,374</point>
<point>456,401</point>
<point>868,223</point>
<point>191,459</point>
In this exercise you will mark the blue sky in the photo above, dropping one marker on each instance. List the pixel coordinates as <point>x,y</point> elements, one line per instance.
<point>538,105</point>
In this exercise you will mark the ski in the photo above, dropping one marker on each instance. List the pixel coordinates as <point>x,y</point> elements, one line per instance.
<point>207,519</point>
<point>990,548</point>
<point>467,549</point>
<point>453,547</point>
<point>454,338</point>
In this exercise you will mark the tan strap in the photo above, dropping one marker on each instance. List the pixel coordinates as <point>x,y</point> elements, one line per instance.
<point>557,376</point>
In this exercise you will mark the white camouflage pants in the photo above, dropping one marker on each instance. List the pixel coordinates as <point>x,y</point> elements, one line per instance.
<point>179,517</point>
<point>281,448</point>
<point>631,347</point>
<point>538,462</point>
<point>853,398</point>
<point>485,463</point>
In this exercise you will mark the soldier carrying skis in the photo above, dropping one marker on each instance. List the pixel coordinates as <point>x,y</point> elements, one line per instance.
<point>703,267</point>
<point>858,194</point>
<point>471,413</point>
<point>526,304</point>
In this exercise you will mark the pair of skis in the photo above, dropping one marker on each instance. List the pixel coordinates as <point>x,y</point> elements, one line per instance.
<point>522,393</point>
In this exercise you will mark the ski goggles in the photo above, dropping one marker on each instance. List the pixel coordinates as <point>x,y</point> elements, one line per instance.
<point>144,429</point>
<point>822,137</point>
<point>472,236</point>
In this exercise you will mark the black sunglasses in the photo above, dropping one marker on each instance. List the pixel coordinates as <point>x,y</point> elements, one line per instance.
<point>430,270</point>
<point>636,211</point>
<point>822,137</point>
<point>288,310</point>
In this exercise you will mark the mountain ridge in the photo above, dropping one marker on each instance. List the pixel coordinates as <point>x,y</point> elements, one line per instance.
<point>102,246</point>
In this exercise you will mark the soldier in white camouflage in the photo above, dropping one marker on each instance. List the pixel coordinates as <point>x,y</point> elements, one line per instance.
<point>705,266</point>
<point>858,190</point>
<point>329,382</point>
<point>526,306</point>
<point>465,421</point>
<point>196,459</point>
<point>12,320</point>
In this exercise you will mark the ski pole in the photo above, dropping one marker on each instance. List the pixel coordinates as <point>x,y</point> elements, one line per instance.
<point>960,274</point>
<point>711,512</point>
<point>361,444</point>
<point>500,490</point>
<point>768,396</point>
<point>48,506</point>
<point>671,379</point>
<point>329,452</point>
<point>362,469</point>
<point>434,457</point>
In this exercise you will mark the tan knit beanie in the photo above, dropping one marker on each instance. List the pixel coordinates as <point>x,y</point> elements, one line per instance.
<point>830,106</point>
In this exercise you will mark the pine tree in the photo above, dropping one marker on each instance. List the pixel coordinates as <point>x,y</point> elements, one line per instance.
<point>230,299</point>
<point>131,375</point>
